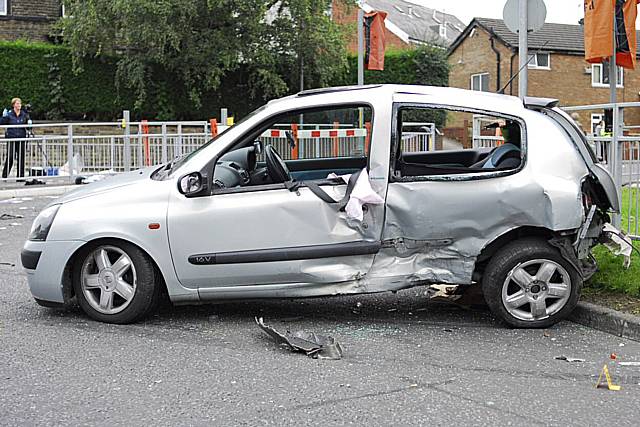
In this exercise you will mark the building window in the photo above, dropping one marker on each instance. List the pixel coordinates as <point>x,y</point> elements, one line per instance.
<point>480,82</point>
<point>540,61</point>
<point>600,75</point>
<point>3,7</point>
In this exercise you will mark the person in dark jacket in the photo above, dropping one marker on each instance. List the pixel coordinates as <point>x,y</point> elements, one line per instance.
<point>15,149</point>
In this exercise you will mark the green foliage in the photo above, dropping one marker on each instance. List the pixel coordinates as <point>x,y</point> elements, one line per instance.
<point>424,65</point>
<point>44,75</point>
<point>56,100</point>
<point>41,74</point>
<point>611,275</point>
<point>199,42</point>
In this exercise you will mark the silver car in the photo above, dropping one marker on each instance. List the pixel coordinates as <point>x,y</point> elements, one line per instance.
<point>341,191</point>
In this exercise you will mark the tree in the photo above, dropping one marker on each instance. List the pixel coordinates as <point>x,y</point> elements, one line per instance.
<point>198,42</point>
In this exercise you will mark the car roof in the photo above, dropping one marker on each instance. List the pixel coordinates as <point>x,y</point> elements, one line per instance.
<point>406,93</point>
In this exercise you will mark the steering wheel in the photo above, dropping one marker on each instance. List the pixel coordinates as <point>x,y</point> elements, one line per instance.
<point>276,167</point>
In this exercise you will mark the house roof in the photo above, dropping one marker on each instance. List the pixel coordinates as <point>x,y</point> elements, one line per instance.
<point>563,38</point>
<point>418,23</point>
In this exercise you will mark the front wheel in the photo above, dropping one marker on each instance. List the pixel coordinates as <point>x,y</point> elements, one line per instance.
<point>115,283</point>
<point>528,284</point>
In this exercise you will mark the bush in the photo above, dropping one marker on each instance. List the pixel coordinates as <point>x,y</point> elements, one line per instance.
<point>424,65</point>
<point>42,74</point>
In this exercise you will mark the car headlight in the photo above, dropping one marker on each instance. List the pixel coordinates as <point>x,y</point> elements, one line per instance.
<point>42,223</point>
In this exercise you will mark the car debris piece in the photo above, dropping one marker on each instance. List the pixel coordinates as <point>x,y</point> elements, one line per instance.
<point>617,243</point>
<point>569,359</point>
<point>310,343</point>
<point>5,216</point>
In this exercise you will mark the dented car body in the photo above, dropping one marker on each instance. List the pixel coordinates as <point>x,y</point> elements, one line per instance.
<point>234,220</point>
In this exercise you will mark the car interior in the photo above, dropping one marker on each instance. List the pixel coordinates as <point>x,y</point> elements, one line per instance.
<point>449,155</point>
<point>263,160</point>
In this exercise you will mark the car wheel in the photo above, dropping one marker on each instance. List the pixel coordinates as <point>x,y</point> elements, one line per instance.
<point>115,283</point>
<point>528,284</point>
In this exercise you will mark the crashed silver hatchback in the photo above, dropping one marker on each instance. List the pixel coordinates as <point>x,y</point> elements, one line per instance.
<point>342,191</point>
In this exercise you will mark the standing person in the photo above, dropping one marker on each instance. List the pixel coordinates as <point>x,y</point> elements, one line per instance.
<point>15,148</point>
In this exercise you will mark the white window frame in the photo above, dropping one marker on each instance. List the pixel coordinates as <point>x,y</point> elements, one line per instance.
<point>6,6</point>
<point>533,64</point>
<point>599,73</point>
<point>479,75</point>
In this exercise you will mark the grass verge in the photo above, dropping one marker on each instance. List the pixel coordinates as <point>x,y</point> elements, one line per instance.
<point>611,275</point>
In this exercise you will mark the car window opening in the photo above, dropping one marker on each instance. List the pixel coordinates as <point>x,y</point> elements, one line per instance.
<point>436,141</point>
<point>300,146</point>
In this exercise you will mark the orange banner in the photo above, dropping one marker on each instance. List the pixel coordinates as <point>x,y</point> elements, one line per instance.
<point>374,40</point>
<point>599,29</point>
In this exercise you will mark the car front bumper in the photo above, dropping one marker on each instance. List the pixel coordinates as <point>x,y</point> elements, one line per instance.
<point>44,263</point>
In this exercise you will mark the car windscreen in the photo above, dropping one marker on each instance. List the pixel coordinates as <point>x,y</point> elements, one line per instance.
<point>180,161</point>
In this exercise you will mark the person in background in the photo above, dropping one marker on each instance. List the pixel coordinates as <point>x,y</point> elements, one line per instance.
<point>15,149</point>
<point>599,130</point>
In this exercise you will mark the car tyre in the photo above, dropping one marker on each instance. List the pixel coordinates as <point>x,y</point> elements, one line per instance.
<point>115,282</point>
<point>528,284</point>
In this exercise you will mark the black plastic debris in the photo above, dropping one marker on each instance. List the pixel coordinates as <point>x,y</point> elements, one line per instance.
<point>569,359</point>
<point>310,343</point>
<point>5,216</point>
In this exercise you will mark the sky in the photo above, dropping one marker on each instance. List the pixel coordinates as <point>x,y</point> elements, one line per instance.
<point>558,11</point>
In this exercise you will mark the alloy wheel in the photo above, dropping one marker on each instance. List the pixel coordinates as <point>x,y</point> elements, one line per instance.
<point>536,289</point>
<point>108,279</point>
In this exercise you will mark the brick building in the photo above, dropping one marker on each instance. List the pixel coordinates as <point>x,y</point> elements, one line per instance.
<point>28,19</point>
<point>407,24</point>
<point>485,57</point>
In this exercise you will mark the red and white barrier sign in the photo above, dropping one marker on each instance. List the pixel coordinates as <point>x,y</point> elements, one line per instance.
<point>325,133</point>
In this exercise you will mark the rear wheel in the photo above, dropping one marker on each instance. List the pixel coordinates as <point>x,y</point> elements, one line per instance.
<point>528,284</point>
<point>115,283</point>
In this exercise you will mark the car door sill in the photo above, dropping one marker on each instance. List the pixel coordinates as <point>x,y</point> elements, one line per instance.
<point>293,253</point>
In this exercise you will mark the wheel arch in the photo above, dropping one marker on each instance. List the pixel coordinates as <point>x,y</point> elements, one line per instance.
<point>68,272</point>
<point>509,236</point>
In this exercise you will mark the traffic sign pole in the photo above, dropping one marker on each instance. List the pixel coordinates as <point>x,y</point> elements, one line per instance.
<point>523,55</point>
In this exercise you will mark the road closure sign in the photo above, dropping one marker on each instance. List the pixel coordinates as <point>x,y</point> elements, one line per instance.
<point>536,15</point>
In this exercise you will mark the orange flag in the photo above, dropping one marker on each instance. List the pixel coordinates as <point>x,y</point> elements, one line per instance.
<point>599,30</point>
<point>374,40</point>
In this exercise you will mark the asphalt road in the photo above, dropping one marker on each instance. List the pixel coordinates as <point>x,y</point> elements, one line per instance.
<point>406,362</point>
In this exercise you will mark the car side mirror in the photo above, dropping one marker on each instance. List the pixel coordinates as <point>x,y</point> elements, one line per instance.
<point>192,184</point>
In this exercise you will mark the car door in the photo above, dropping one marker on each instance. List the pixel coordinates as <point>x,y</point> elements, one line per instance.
<point>445,205</point>
<point>268,234</point>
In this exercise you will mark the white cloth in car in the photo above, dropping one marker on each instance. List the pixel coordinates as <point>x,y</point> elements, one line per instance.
<point>361,194</point>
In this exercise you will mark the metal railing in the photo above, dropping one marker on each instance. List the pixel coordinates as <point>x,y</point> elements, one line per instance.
<point>63,151</point>
<point>619,151</point>
<point>481,140</point>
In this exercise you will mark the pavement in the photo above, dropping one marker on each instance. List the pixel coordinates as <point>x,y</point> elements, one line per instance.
<point>13,190</point>
<point>406,361</point>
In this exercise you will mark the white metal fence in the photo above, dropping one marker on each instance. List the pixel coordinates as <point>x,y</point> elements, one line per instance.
<point>60,152</point>
<point>53,151</point>
<point>619,150</point>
